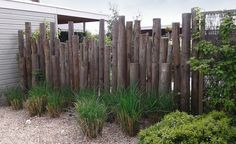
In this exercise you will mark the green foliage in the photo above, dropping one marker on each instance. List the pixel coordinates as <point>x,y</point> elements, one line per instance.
<point>91,115</point>
<point>218,64</point>
<point>179,127</point>
<point>113,17</point>
<point>129,110</point>
<point>55,103</point>
<point>37,100</point>
<point>14,97</point>
<point>68,96</point>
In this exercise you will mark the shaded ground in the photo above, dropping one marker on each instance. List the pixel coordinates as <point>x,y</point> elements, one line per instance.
<point>16,127</point>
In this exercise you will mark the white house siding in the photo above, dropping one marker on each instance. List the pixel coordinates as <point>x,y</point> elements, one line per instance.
<point>11,21</point>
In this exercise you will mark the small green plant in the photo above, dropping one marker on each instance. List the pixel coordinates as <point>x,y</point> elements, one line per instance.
<point>14,97</point>
<point>55,103</point>
<point>37,100</point>
<point>68,96</point>
<point>129,109</point>
<point>91,115</point>
<point>179,127</point>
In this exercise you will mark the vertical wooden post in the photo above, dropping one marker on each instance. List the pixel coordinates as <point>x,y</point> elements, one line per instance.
<point>55,72</point>
<point>75,62</point>
<point>156,37</point>
<point>90,64</point>
<point>52,47</point>
<point>142,60</point>
<point>107,68</point>
<point>129,32</point>
<point>47,60</point>
<point>122,54</point>
<point>101,53</point>
<point>114,54</point>
<point>41,49</point>
<point>96,65</point>
<point>57,54</point>
<point>134,74</point>
<point>22,68</point>
<point>163,50</point>
<point>149,64</point>
<point>28,53</point>
<point>137,31</point>
<point>164,83</point>
<point>85,62</point>
<point>70,35</point>
<point>185,69</point>
<point>35,62</point>
<point>62,65</point>
<point>176,61</point>
<point>67,64</point>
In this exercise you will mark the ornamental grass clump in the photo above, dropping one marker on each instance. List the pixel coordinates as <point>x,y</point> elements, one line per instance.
<point>55,103</point>
<point>14,97</point>
<point>129,110</point>
<point>37,99</point>
<point>91,116</point>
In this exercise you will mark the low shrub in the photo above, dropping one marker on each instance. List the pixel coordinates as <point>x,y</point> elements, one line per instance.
<point>37,99</point>
<point>91,115</point>
<point>14,97</point>
<point>55,103</point>
<point>179,127</point>
<point>129,110</point>
<point>68,96</point>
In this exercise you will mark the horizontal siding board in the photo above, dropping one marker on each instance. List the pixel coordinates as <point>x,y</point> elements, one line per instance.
<point>9,81</point>
<point>11,66</point>
<point>9,76</point>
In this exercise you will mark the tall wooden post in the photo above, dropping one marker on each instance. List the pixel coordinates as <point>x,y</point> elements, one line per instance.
<point>85,62</point>
<point>122,54</point>
<point>185,69</point>
<point>164,83</point>
<point>156,36</point>
<point>142,60</point>
<point>62,65</point>
<point>134,74</point>
<point>75,62</point>
<point>96,65</point>
<point>35,62</point>
<point>28,53</point>
<point>107,68</point>
<point>101,53</point>
<point>114,54</point>
<point>149,64</point>
<point>41,49</point>
<point>67,66</point>
<point>137,31</point>
<point>70,35</point>
<point>163,50</point>
<point>129,32</point>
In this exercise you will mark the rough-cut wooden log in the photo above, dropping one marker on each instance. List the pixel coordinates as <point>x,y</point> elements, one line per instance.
<point>114,54</point>
<point>107,68</point>
<point>62,65</point>
<point>57,54</point>
<point>170,54</point>
<point>47,60</point>
<point>70,35</point>
<point>176,61</point>
<point>129,33</point>
<point>67,66</point>
<point>137,31</point>
<point>156,36</point>
<point>35,62</point>
<point>28,53</point>
<point>55,71</point>
<point>90,64</point>
<point>185,69</point>
<point>52,37</point>
<point>96,65</point>
<point>22,68</point>
<point>149,65</point>
<point>42,38</point>
<point>101,53</point>
<point>134,74</point>
<point>165,83</point>
<point>142,60</point>
<point>75,62</point>
<point>163,50</point>
<point>122,54</point>
<point>85,62</point>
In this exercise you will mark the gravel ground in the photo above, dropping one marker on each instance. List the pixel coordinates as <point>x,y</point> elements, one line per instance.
<point>16,127</point>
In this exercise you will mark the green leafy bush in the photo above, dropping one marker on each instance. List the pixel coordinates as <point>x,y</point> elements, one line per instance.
<point>14,97</point>
<point>218,64</point>
<point>55,103</point>
<point>179,127</point>
<point>37,100</point>
<point>91,115</point>
<point>129,110</point>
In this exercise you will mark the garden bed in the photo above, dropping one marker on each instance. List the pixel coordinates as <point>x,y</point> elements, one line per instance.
<point>18,127</point>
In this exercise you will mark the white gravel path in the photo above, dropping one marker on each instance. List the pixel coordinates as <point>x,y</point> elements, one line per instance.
<point>16,127</point>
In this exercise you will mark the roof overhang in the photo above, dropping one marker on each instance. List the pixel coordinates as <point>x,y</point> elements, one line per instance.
<point>62,13</point>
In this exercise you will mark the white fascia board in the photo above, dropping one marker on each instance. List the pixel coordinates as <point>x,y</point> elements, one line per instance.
<point>39,7</point>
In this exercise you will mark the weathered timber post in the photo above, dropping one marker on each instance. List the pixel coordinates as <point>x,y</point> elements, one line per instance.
<point>164,83</point>
<point>156,37</point>
<point>22,67</point>
<point>101,53</point>
<point>28,53</point>
<point>56,50</point>
<point>114,54</point>
<point>185,69</point>
<point>163,50</point>
<point>70,35</point>
<point>47,60</point>
<point>149,65</point>
<point>42,38</point>
<point>52,47</point>
<point>122,54</point>
<point>137,31</point>
<point>142,60</point>
<point>129,32</point>
<point>62,65</point>
<point>35,62</point>
<point>75,62</point>
<point>176,61</point>
<point>85,62</point>
<point>107,68</point>
<point>134,74</point>
<point>96,65</point>
<point>67,66</point>
<point>55,72</point>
